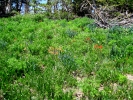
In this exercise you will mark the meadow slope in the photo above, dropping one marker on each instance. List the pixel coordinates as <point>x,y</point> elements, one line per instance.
<point>44,59</point>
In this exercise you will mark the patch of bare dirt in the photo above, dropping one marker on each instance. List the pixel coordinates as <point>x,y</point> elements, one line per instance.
<point>114,86</point>
<point>78,94</point>
<point>101,88</point>
<point>129,77</point>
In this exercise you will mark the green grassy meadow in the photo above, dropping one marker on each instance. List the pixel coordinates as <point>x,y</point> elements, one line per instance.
<point>45,59</point>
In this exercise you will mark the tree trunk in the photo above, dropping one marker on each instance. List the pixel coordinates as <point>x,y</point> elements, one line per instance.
<point>27,6</point>
<point>8,6</point>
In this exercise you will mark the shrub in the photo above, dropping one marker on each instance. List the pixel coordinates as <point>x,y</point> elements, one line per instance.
<point>71,33</point>
<point>68,61</point>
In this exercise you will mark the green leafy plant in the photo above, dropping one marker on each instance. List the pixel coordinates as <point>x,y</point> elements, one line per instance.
<point>71,33</point>
<point>68,61</point>
<point>122,79</point>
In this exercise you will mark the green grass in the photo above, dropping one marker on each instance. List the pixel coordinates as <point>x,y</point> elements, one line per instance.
<point>42,58</point>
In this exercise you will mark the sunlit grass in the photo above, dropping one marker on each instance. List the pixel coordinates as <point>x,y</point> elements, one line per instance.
<point>42,59</point>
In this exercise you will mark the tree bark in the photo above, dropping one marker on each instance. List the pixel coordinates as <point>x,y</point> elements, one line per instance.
<point>8,6</point>
<point>27,6</point>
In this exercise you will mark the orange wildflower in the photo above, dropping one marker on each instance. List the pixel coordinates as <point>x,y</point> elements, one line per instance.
<point>87,39</point>
<point>98,46</point>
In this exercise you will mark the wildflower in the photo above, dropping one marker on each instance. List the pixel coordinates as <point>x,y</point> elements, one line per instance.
<point>59,49</point>
<point>98,46</point>
<point>87,39</point>
<point>54,51</point>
